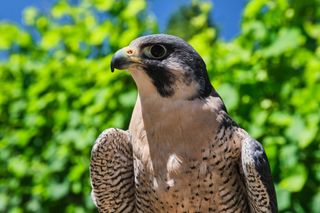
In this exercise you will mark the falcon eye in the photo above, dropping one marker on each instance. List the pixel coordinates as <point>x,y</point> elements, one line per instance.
<point>156,51</point>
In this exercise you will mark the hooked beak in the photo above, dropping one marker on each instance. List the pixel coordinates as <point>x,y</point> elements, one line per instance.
<point>123,58</point>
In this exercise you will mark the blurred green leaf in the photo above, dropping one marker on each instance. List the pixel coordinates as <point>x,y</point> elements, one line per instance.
<point>229,95</point>
<point>58,190</point>
<point>316,202</point>
<point>30,14</point>
<point>50,39</point>
<point>296,180</point>
<point>254,8</point>
<point>283,197</point>
<point>288,39</point>
<point>103,5</point>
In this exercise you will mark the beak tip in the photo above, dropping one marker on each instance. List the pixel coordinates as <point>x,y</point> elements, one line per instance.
<point>112,64</point>
<point>120,60</point>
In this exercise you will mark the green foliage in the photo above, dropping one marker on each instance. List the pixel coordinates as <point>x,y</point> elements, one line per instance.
<point>272,72</point>
<point>190,20</point>
<point>56,94</point>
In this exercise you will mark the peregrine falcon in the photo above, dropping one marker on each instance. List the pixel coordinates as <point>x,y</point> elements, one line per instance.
<point>182,152</point>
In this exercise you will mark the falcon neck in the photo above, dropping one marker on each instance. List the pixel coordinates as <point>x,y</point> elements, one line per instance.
<point>159,111</point>
<point>157,108</point>
<point>172,126</point>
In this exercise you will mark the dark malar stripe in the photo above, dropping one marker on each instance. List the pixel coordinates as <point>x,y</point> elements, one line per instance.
<point>162,79</point>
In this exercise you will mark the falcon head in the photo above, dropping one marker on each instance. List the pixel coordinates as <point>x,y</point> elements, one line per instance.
<point>164,65</point>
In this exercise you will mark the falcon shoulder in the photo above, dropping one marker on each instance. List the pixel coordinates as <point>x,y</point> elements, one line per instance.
<point>112,173</point>
<point>257,177</point>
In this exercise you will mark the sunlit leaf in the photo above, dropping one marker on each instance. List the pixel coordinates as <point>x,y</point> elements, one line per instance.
<point>287,40</point>
<point>30,15</point>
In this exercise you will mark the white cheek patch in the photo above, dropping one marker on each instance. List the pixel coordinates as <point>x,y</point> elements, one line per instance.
<point>175,66</point>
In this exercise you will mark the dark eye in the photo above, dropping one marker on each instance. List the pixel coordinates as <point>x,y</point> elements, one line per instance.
<point>156,51</point>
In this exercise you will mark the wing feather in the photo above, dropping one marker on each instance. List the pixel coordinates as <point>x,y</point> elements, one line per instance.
<point>257,177</point>
<point>111,172</point>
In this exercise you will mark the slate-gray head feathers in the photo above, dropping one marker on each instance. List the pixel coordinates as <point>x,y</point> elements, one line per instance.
<point>174,67</point>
